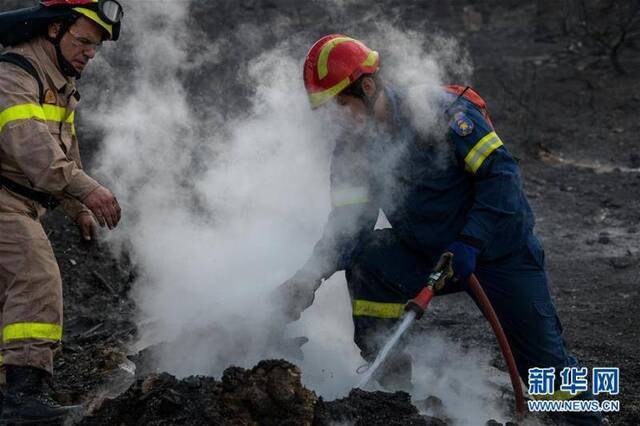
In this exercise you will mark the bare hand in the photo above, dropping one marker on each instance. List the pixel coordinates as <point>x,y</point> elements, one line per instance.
<point>87,226</point>
<point>104,206</point>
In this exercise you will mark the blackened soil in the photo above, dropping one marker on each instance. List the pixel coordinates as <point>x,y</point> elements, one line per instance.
<point>271,393</point>
<point>560,99</point>
<point>372,408</point>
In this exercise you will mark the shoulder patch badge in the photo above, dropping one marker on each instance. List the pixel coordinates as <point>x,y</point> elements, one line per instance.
<point>461,124</point>
<point>50,98</point>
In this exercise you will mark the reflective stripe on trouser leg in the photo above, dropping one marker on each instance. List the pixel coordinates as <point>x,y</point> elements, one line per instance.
<point>382,278</point>
<point>367,308</point>
<point>31,330</point>
<point>31,293</point>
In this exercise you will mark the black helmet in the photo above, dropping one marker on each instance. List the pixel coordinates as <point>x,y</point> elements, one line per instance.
<point>24,24</point>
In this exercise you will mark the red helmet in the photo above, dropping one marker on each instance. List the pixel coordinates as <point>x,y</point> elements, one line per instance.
<point>106,13</point>
<point>333,64</point>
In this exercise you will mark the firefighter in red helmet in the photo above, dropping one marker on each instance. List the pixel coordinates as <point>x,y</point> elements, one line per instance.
<point>457,191</point>
<point>49,46</point>
<point>334,63</point>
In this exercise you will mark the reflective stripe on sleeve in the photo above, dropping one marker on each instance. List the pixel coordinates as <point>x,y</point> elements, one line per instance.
<point>35,111</point>
<point>367,308</point>
<point>31,330</point>
<point>481,151</point>
<point>347,196</point>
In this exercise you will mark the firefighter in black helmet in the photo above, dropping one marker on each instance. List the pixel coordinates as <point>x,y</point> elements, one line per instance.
<point>48,48</point>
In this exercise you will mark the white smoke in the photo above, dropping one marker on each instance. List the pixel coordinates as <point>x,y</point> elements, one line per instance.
<point>421,64</point>
<point>219,209</point>
<point>469,388</point>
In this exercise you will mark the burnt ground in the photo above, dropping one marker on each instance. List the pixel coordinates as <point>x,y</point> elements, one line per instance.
<point>563,90</point>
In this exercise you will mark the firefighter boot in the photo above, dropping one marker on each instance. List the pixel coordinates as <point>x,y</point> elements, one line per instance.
<point>26,401</point>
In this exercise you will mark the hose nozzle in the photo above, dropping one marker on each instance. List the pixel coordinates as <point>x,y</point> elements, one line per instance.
<point>437,279</point>
<point>442,272</point>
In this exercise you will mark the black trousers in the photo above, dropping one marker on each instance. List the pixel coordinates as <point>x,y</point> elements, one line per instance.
<point>386,273</point>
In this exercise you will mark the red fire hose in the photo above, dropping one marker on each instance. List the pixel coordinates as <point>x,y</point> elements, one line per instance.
<point>417,306</point>
<point>488,311</point>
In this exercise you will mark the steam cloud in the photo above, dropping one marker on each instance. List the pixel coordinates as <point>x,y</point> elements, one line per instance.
<point>222,206</point>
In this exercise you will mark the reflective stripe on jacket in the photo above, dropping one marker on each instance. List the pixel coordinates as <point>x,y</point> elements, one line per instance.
<point>38,145</point>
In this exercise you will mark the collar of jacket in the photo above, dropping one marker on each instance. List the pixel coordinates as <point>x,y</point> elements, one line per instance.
<point>401,128</point>
<point>447,102</point>
<point>394,97</point>
<point>43,53</point>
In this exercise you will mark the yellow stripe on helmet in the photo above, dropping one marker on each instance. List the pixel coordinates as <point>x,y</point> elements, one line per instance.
<point>323,59</point>
<point>95,18</point>
<point>319,98</point>
<point>371,59</point>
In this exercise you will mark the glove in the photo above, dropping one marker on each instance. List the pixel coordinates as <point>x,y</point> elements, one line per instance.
<point>296,294</point>
<point>464,260</point>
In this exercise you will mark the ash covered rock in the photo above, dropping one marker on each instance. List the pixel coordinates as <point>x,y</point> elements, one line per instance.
<point>372,408</point>
<point>163,400</point>
<point>434,406</point>
<point>271,393</point>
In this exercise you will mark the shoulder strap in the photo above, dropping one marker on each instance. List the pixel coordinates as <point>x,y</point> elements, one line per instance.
<point>472,96</point>
<point>25,64</point>
<point>46,200</point>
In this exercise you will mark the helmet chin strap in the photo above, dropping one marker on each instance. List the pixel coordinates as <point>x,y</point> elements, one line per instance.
<point>65,66</point>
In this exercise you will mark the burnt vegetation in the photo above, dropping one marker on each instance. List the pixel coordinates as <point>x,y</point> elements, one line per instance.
<point>561,81</point>
<point>610,28</point>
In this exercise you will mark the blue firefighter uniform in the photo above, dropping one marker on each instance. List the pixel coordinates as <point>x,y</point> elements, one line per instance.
<point>435,190</point>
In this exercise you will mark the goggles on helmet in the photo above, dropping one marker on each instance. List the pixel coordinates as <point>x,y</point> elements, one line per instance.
<point>110,11</point>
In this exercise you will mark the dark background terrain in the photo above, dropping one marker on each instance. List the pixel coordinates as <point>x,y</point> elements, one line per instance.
<point>561,79</point>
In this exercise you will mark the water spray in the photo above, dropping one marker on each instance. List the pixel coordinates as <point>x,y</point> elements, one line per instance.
<point>416,308</point>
